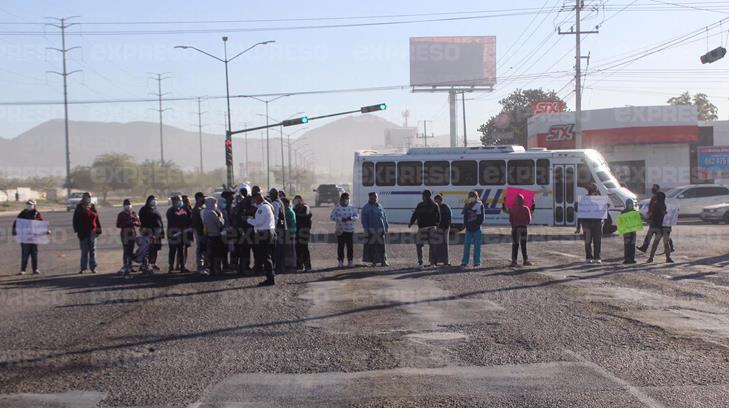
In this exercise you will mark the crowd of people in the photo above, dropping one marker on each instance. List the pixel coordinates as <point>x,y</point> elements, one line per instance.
<point>249,232</point>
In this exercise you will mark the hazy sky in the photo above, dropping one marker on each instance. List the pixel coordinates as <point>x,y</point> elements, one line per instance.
<point>117,66</point>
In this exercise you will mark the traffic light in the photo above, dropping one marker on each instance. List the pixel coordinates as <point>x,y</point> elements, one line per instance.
<point>297,121</point>
<point>373,108</point>
<point>713,55</point>
<point>229,152</point>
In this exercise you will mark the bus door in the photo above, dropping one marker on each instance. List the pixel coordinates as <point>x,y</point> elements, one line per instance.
<point>563,183</point>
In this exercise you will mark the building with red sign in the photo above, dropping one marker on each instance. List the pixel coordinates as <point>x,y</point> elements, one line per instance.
<point>643,144</point>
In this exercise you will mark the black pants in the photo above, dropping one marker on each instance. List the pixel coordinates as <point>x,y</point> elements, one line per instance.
<point>177,253</point>
<point>665,234</point>
<point>244,247</point>
<point>28,250</point>
<point>593,238</point>
<point>262,252</point>
<point>519,238</point>
<point>629,247</point>
<point>303,257</point>
<point>422,237</point>
<point>216,250</point>
<point>127,252</point>
<point>345,239</point>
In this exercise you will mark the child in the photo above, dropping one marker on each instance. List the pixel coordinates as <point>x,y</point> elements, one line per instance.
<point>127,221</point>
<point>629,238</point>
<point>519,217</point>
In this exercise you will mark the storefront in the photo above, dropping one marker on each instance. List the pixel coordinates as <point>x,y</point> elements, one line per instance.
<point>644,145</point>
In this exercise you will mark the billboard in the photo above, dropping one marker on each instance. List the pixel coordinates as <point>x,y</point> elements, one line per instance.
<point>713,163</point>
<point>453,61</point>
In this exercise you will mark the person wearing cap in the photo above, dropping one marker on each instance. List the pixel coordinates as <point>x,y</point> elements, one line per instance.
<point>198,229</point>
<point>153,228</point>
<point>427,216</point>
<point>28,250</point>
<point>344,216</point>
<point>87,226</point>
<point>127,221</point>
<point>178,221</point>
<point>441,237</point>
<point>374,226</point>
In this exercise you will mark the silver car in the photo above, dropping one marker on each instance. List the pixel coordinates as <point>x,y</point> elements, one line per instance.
<point>715,213</point>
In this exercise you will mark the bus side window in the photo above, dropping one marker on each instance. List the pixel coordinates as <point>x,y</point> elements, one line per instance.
<point>543,172</point>
<point>385,173</point>
<point>368,173</point>
<point>584,176</point>
<point>464,173</point>
<point>437,173</point>
<point>409,173</point>
<point>521,172</point>
<point>492,172</point>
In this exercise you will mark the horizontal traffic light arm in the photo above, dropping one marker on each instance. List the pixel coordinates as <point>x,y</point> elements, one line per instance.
<point>305,119</point>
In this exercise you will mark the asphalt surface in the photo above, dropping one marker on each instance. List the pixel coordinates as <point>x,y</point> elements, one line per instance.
<point>557,334</point>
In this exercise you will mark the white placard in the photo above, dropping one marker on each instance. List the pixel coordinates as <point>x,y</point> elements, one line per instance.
<point>31,231</point>
<point>593,207</point>
<point>671,217</point>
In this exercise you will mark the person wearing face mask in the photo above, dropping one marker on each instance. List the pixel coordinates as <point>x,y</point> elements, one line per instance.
<point>225,205</point>
<point>198,229</point>
<point>374,226</point>
<point>152,228</point>
<point>127,221</point>
<point>344,216</point>
<point>264,227</point>
<point>303,232</point>
<point>87,226</point>
<point>427,216</point>
<point>239,220</point>
<point>214,224</point>
<point>28,250</point>
<point>473,215</point>
<point>179,220</point>
<point>279,250</point>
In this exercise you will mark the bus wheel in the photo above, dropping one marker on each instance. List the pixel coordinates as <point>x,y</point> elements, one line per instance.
<point>608,228</point>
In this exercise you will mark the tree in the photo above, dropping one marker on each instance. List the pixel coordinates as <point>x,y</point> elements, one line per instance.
<point>114,172</point>
<point>706,109</point>
<point>160,178</point>
<point>510,125</point>
<point>81,179</point>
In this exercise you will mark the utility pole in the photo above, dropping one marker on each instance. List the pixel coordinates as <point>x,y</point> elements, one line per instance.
<point>425,136</point>
<point>452,114</point>
<point>579,4</point>
<point>463,108</point>
<point>199,133</point>
<point>159,77</point>
<point>63,25</point>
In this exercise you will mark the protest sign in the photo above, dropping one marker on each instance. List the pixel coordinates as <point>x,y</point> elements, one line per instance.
<point>31,231</point>
<point>511,193</point>
<point>629,222</point>
<point>593,207</point>
<point>671,217</point>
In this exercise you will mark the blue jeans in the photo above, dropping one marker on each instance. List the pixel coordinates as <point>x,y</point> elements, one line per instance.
<point>26,251</point>
<point>88,252</point>
<point>472,238</point>
<point>200,251</point>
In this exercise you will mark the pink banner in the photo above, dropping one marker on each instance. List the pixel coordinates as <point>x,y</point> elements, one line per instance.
<point>511,193</point>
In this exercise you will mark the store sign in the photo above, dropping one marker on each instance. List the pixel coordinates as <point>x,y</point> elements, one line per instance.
<point>561,133</point>
<point>547,107</point>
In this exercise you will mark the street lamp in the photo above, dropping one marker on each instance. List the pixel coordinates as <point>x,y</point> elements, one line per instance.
<point>280,131</point>
<point>225,60</point>
<point>289,144</point>
<point>268,147</point>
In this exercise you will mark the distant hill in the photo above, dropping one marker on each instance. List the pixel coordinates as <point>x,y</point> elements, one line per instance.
<point>40,150</point>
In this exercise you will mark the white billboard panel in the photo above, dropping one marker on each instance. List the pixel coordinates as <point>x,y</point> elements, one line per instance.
<point>453,61</point>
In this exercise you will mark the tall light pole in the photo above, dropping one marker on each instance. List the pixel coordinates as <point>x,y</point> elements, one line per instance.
<point>225,60</point>
<point>159,78</point>
<point>268,139</point>
<point>199,132</point>
<point>289,149</point>
<point>280,132</point>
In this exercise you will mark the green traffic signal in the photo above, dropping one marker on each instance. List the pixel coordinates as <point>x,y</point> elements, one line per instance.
<point>383,106</point>
<point>296,121</point>
<point>373,108</point>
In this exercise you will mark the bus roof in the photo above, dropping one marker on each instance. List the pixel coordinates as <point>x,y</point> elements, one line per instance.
<point>476,150</point>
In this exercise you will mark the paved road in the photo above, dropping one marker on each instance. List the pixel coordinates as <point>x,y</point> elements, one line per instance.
<point>557,334</point>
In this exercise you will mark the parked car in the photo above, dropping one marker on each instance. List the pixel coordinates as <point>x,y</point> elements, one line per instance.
<point>691,199</point>
<point>716,213</point>
<point>74,199</point>
<point>326,193</point>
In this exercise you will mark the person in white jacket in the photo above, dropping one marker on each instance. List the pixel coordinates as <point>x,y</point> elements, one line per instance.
<point>264,228</point>
<point>345,216</point>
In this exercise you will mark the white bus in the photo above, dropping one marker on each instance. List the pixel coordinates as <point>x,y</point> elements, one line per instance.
<point>558,178</point>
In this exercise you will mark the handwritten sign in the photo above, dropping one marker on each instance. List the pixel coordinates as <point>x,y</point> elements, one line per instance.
<point>671,217</point>
<point>31,231</point>
<point>593,208</point>
<point>511,193</point>
<point>629,222</point>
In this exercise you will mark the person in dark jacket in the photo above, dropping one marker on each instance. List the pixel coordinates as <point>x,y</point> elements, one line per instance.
<point>649,236</point>
<point>230,235</point>
<point>152,228</point>
<point>279,250</point>
<point>656,224</point>
<point>87,226</point>
<point>374,226</point>
<point>28,250</point>
<point>593,232</point>
<point>519,217</point>
<point>178,221</point>
<point>188,237</point>
<point>440,247</point>
<point>127,221</point>
<point>303,232</point>
<point>427,215</point>
<point>630,237</point>
<point>244,240</point>
<point>473,216</point>
<point>198,230</point>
